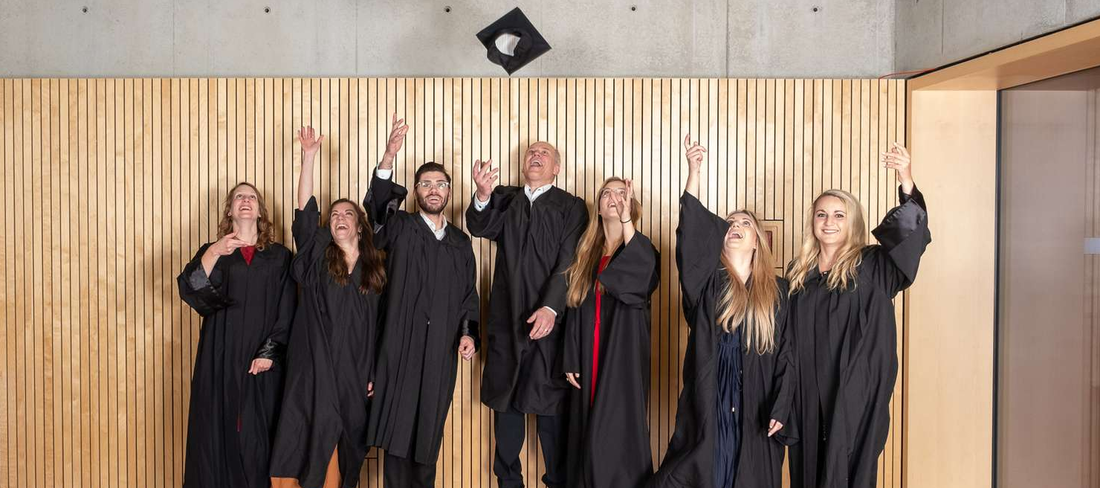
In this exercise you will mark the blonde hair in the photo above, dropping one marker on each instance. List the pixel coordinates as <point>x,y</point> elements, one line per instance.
<point>848,256</point>
<point>754,306</point>
<point>590,249</point>
<point>265,232</point>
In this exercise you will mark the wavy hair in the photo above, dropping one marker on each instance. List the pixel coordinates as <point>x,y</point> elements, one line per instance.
<point>848,256</point>
<point>265,232</point>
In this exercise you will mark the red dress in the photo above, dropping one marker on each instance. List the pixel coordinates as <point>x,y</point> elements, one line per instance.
<point>596,336</point>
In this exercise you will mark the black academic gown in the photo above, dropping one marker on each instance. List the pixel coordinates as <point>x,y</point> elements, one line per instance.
<point>330,359</point>
<point>535,245</point>
<point>430,302</point>
<point>609,434</point>
<point>247,311</point>
<point>768,381</point>
<point>846,344</point>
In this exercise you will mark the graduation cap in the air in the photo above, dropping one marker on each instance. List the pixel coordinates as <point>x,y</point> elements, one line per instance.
<point>512,41</point>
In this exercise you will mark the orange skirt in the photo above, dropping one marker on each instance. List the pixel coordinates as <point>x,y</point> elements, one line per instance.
<point>332,476</point>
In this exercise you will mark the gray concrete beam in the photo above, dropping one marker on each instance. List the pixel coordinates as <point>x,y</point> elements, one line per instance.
<point>689,38</point>
<point>932,33</point>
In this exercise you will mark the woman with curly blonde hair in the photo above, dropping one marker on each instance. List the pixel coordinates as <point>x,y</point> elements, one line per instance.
<point>241,286</point>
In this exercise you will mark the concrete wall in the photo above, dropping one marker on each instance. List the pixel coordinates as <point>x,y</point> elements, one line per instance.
<point>931,33</point>
<point>694,38</point>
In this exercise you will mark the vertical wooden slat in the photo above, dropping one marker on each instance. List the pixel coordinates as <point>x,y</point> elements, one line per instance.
<point>98,348</point>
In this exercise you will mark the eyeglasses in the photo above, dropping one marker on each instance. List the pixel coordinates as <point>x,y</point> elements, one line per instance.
<point>438,185</point>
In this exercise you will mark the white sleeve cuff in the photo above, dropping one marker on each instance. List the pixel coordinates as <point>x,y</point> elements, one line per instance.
<point>384,174</point>
<point>480,205</point>
<point>555,312</point>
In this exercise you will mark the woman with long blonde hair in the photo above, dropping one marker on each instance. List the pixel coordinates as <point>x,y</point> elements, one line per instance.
<point>842,315</point>
<point>242,288</point>
<point>738,376</point>
<point>606,349</point>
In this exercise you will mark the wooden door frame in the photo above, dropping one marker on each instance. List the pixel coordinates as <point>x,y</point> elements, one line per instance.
<point>949,343</point>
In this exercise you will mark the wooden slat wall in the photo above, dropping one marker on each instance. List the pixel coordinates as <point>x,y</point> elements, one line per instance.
<point>109,185</point>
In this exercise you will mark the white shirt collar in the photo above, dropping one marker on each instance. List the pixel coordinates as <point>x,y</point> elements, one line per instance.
<point>537,192</point>
<point>440,232</point>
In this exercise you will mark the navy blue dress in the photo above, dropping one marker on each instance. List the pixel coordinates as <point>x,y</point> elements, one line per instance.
<point>713,445</point>
<point>728,371</point>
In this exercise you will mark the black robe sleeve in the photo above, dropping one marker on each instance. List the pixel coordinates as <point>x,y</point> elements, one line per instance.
<point>200,291</point>
<point>554,291</point>
<point>309,239</point>
<point>274,346</point>
<point>489,222</point>
<point>571,342</point>
<point>471,305</point>
<point>785,377</point>
<point>903,236</point>
<point>633,273</point>
<point>382,203</point>
<point>699,240</point>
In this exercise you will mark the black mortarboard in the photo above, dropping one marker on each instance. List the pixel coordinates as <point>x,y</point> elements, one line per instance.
<point>516,34</point>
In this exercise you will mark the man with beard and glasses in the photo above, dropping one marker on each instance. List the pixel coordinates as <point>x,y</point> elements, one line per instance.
<point>536,228</point>
<point>430,310</point>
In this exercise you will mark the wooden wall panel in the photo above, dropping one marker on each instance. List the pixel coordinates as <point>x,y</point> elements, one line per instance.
<point>109,185</point>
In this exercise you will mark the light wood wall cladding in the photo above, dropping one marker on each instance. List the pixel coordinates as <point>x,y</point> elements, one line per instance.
<point>109,186</point>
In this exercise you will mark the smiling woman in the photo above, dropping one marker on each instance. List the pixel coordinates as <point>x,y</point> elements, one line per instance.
<point>321,435</point>
<point>241,286</point>
<point>845,335</point>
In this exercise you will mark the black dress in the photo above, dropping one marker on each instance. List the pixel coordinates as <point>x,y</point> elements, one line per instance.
<point>847,344</point>
<point>330,359</point>
<point>430,302</point>
<point>609,427</point>
<point>707,427</point>
<point>247,309</point>
<point>535,245</point>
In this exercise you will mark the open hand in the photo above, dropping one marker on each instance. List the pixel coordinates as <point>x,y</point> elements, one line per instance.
<point>485,177</point>
<point>311,142</point>
<point>543,320</point>
<point>396,139</point>
<point>898,159</point>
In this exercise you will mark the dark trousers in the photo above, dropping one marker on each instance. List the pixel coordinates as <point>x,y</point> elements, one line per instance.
<point>405,473</point>
<point>510,429</point>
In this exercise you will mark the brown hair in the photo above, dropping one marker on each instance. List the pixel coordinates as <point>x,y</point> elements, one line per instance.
<point>374,270</point>
<point>590,249</point>
<point>754,306</point>
<point>265,232</point>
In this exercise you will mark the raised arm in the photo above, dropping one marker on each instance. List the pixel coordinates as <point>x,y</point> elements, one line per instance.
<point>903,234</point>
<point>385,197</point>
<point>624,206</point>
<point>485,215</point>
<point>700,232</point>
<point>695,155</point>
<point>633,273</point>
<point>396,139</point>
<point>311,144</point>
